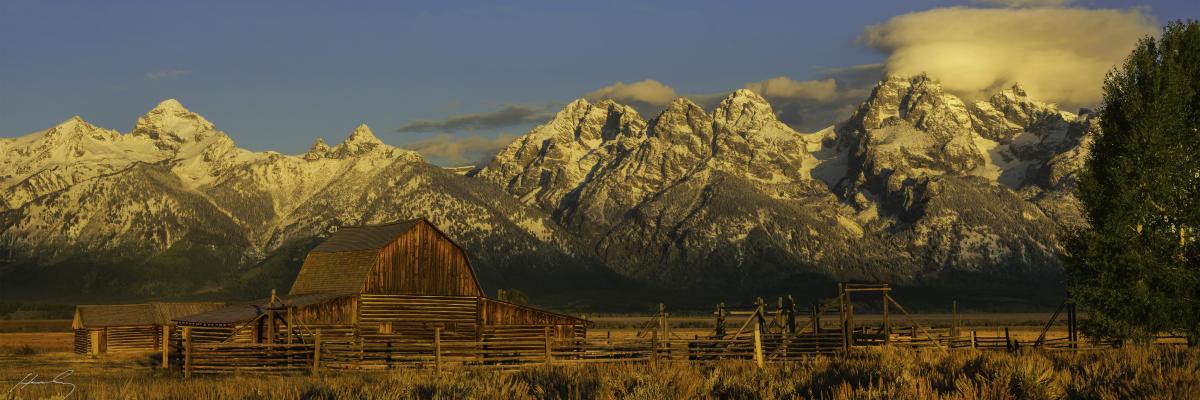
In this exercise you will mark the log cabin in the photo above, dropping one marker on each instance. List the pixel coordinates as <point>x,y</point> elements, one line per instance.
<point>122,328</point>
<point>381,283</point>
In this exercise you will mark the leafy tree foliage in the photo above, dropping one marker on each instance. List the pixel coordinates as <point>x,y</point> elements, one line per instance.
<point>1136,270</point>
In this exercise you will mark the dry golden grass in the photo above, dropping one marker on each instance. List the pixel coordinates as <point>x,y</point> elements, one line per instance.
<point>41,342</point>
<point>1163,372</point>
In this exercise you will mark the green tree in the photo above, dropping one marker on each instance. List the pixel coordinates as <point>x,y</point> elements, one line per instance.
<point>1136,270</point>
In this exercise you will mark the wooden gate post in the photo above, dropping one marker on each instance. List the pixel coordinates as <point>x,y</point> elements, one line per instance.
<point>758,350</point>
<point>1072,327</point>
<point>954,324</point>
<point>316,351</point>
<point>654,348</point>
<point>549,351</point>
<point>887,324</point>
<point>187,352</point>
<point>166,347</point>
<point>437,349</point>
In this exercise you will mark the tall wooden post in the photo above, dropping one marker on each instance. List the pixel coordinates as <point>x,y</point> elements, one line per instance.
<point>842,315</point>
<point>289,325</point>
<point>760,313</point>
<point>663,326</point>
<point>549,347</point>
<point>437,349</point>
<point>654,348</point>
<point>849,321</point>
<point>316,351</point>
<point>1008,345</point>
<point>720,331</point>
<point>187,352</point>
<point>166,347</point>
<point>954,323</point>
<point>887,322</point>
<point>758,350</point>
<point>973,341</point>
<point>1072,333</point>
<point>791,314</point>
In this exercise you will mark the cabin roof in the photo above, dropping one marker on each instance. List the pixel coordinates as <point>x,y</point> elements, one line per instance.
<point>99,316</point>
<point>250,310</point>
<point>364,237</point>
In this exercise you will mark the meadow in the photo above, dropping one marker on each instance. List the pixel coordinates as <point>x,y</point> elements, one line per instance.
<point>1158,372</point>
<point>879,373</point>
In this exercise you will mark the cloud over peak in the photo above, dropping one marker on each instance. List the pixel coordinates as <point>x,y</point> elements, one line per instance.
<point>1057,54</point>
<point>648,92</point>
<point>1026,3</point>
<point>782,87</point>
<point>509,115</point>
<point>444,149</point>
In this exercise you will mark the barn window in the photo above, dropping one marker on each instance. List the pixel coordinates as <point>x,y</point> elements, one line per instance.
<point>385,327</point>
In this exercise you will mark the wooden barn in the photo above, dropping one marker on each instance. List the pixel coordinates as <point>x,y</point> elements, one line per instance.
<point>393,283</point>
<point>101,329</point>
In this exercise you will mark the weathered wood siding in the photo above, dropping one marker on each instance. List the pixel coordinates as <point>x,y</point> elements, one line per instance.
<point>422,261</point>
<point>415,317</point>
<point>341,311</point>
<point>83,341</point>
<point>499,314</point>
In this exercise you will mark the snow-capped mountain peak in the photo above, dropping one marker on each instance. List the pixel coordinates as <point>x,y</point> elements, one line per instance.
<point>361,141</point>
<point>318,149</point>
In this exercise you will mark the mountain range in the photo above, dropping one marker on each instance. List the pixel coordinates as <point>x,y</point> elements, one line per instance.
<point>919,187</point>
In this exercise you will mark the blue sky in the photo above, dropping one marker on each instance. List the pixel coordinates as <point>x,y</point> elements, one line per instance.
<point>276,75</point>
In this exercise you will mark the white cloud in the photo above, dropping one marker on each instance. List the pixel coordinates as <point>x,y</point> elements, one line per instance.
<point>787,88</point>
<point>509,115</point>
<point>166,74</point>
<point>1026,3</point>
<point>1057,54</point>
<point>649,92</point>
<point>447,150</point>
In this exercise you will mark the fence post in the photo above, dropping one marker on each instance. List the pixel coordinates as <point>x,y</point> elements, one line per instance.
<point>758,351</point>
<point>187,352</point>
<point>954,309</point>
<point>166,347</point>
<point>316,351</point>
<point>1007,340</point>
<point>1073,335</point>
<point>887,324</point>
<point>973,340</point>
<point>437,349</point>
<point>654,348</point>
<point>549,350</point>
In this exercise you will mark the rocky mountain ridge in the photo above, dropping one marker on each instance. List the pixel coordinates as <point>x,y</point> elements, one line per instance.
<point>918,187</point>
<point>175,187</point>
<point>917,183</point>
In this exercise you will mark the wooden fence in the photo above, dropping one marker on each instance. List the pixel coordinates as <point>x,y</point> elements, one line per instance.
<point>340,352</point>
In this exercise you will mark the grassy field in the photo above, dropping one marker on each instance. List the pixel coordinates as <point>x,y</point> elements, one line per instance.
<point>1163,373</point>
<point>1158,372</point>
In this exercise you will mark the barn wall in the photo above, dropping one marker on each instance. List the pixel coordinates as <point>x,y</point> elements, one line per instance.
<point>415,317</point>
<point>422,262</point>
<point>127,339</point>
<point>514,319</point>
<point>83,341</point>
<point>333,312</point>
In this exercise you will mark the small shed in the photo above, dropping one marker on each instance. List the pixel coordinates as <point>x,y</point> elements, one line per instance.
<point>118,328</point>
<point>387,282</point>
